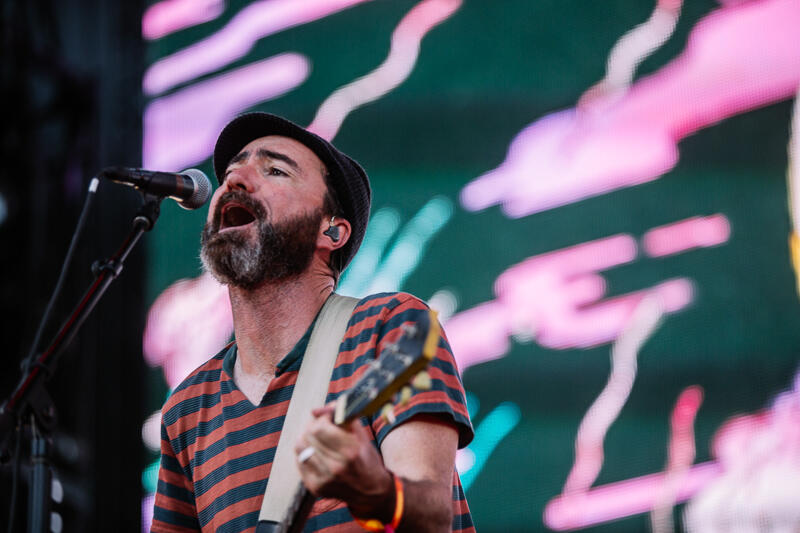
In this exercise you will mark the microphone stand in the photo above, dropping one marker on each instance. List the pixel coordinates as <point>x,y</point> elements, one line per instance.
<point>30,401</point>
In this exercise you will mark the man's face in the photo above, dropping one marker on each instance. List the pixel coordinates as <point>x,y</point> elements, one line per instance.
<point>264,220</point>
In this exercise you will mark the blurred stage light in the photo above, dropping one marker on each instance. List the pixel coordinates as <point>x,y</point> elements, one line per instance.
<point>236,39</point>
<point>444,302</point>
<point>169,16</point>
<point>3,208</point>
<point>488,434</point>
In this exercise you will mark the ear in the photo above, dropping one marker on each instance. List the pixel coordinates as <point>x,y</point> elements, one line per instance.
<point>333,236</point>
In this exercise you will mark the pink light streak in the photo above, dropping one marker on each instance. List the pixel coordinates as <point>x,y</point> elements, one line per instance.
<point>402,57</point>
<point>589,454</point>
<point>236,39</point>
<point>689,234</point>
<point>681,443</point>
<point>188,322</point>
<point>621,499</point>
<point>639,43</point>
<point>757,465</point>
<point>556,299</point>
<point>630,50</point>
<point>624,141</point>
<point>180,129</point>
<point>169,16</point>
<point>551,163</point>
<point>482,333</point>
<point>760,456</point>
<point>680,456</point>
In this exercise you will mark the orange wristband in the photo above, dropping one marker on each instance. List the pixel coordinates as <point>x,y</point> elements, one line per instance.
<point>399,502</point>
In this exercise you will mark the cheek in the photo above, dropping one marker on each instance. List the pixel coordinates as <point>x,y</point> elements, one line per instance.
<point>280,200</point>
<point>212,206</point>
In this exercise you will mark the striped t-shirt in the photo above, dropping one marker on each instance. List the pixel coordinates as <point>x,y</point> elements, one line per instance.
<point>217,447</point>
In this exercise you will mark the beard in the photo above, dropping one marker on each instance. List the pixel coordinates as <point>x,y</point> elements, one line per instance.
<point>282,251</point>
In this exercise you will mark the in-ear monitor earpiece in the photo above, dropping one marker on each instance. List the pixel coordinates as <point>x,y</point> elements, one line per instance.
<point>332,231</point>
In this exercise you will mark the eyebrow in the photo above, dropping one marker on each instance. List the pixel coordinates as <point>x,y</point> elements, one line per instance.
<point>263,153</point>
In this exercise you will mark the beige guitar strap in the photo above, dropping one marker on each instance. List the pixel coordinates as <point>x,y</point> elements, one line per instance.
<point>310,391</point>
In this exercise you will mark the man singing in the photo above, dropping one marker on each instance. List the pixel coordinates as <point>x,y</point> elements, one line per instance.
<point>287,218</point>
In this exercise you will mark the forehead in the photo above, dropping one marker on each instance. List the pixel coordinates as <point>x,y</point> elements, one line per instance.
<point>294,151</point>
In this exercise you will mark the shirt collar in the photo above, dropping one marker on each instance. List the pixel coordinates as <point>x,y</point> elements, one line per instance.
<point>290,361</point>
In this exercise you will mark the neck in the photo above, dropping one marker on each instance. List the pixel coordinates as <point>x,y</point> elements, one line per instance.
<point>269,320</point>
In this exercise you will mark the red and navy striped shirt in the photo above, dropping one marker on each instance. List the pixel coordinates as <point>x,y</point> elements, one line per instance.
<point>217,447</point>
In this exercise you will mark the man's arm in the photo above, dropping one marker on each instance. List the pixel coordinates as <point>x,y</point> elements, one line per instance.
<point>422,451</point>
<point>345,465</point>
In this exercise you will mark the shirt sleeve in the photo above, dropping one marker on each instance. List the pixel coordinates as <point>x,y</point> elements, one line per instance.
<point>174,510</point>
<point>445,399</point>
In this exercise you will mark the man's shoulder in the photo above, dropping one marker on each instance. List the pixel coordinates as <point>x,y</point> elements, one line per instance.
<point>202,380</point>
<point>377,314</point>
<point>388,302</point>
<point>378,320</point>
<point>375,310</point>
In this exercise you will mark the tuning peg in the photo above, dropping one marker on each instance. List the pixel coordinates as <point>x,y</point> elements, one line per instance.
<point>422,381</point>
<point>387,412</point>
<point>405,395</point>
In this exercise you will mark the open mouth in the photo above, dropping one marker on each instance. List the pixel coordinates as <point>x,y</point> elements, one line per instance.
<point>235,215</point>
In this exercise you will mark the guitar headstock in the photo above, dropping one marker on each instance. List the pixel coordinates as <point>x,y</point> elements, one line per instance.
<point>397,364</point>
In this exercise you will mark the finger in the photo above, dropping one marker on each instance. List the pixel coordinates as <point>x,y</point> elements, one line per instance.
<point>358,427</point>
<point>318,420</point>
<point>325,451</point>
<point>313,466</point>
<point>305,454</point>
<point>326,410</point>
<point>331,437</point>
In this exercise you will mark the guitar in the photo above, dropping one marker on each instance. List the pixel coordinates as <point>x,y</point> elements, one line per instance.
<point>386,377</point>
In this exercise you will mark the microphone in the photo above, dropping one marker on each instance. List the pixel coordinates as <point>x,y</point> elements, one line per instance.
<point>191,188</point>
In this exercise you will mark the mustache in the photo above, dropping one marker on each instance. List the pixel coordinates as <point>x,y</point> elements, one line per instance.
<point>242,198</point>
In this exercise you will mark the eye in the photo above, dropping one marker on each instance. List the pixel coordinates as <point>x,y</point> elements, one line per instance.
<point>275,171</point>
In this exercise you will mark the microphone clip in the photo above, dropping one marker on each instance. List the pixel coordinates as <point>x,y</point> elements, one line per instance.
<point>148,212</point>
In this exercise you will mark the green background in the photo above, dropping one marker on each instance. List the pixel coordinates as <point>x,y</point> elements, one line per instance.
<point>482,76</point>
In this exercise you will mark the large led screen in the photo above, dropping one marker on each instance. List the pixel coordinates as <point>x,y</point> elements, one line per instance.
<point>594,197</point>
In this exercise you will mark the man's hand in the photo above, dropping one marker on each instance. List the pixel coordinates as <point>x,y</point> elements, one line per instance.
<point>341,462</point>
<point>345,465</point>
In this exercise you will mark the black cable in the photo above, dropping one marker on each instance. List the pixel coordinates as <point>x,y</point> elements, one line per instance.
<point>63,275</point>
<point>14,479</point>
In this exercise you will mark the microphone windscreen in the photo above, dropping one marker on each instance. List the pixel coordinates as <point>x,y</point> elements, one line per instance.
<point>202,189</point>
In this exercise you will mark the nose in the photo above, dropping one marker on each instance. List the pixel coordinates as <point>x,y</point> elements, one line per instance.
<point>240,179</point>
